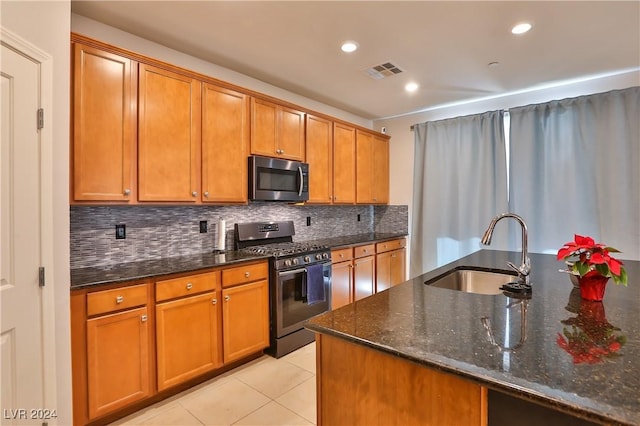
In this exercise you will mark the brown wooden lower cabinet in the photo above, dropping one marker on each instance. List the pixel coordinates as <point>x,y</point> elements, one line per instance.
<point>341,284</point>
<point>137,342</point>
<point>364,277</point>
<point>245,319</point>
<point>357,385</point>
<point>390,269</point>
<point>117,360</point>
<point>187,343</point>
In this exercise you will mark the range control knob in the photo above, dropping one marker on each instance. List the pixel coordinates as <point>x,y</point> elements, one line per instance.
<point>295,261</point>
<point>307,259</point>
<point>325,255</point>
<point>287,262</point>
<point>318,256</point>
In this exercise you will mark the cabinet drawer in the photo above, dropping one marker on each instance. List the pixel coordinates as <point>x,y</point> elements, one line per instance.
<point>341,255</point>
<point>102,302</point>
<point>362,251</point>
<point>193,284</point>
<point>390,245</point>
<point>244,274</point>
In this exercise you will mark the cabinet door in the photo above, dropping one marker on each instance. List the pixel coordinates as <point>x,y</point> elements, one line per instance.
<point>245,319</point>
<point>225,141</point>
<point>186,338</point>
<point>168,136</point>
<point>319,143</point>
<point>264,119</point>
<point>344,164</point>
<point>290,136</point>
<point>364,167</point>
<point>104,120</point>
<point>341,284</point>
<point>380,187</point>
<point>398,266</point>
<point>383,271</point>
<point>117,360</point>
<point>363,277</point>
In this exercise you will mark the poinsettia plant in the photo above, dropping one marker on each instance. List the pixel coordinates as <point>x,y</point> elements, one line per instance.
<point>588,256</point>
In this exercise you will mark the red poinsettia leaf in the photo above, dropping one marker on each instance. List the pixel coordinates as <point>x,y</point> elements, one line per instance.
<point>564,252</point>
<point>614,265</point>
<point>598,258</point>
<point>583,241</point>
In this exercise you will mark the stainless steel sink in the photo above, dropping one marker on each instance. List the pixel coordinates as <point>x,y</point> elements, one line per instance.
<point>473,281</point>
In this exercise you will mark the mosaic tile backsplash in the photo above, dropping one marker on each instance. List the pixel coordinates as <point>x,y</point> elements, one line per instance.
<point>167,231</point>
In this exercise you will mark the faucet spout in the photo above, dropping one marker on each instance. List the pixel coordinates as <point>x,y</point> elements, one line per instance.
<point>525,266</point>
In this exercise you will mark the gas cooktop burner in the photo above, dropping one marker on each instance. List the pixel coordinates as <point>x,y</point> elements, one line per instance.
<point>284,249</point>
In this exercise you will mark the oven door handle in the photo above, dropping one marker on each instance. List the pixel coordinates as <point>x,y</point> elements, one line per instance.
<point>301,181</point>
<point>295,271</point>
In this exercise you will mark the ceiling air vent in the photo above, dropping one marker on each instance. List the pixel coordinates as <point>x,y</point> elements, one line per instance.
<point>378,72</point>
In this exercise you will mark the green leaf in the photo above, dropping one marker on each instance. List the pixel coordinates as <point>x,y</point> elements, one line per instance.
<point>603,269</point>
<point>612,250</point>
<point>582,268</point>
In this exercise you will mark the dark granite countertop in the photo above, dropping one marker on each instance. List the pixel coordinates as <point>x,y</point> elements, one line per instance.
<point>443,329</point>
<point>102,275</point>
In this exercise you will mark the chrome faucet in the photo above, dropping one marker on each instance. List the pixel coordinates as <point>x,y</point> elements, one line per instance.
<point>525,268</point>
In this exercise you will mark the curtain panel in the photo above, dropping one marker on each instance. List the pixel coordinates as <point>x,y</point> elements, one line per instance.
<point>575,168</point>
<point>459,186</point>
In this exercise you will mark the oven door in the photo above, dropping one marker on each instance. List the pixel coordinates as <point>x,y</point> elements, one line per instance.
<point>292,305</point>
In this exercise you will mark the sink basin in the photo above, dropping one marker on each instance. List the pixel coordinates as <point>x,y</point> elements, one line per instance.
<point>473,281</point>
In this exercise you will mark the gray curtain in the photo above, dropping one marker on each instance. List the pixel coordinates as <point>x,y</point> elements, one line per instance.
<point>575,168</point>
<point>459,184</point>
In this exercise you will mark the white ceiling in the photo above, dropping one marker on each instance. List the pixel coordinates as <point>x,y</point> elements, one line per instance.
<point>443,46</point>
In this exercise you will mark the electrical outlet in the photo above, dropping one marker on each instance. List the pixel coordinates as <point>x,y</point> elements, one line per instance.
<point>121,231</point>
<point>358,217</point>
<point>308,220</point>
<point>203,226</point>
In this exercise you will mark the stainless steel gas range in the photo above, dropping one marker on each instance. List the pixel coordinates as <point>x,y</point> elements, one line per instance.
<point>299,282</point>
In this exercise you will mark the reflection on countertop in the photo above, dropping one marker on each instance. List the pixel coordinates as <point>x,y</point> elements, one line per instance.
<point>442,329</point>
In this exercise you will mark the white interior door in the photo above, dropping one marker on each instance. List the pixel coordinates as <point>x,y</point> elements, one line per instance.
<point>22,391</point>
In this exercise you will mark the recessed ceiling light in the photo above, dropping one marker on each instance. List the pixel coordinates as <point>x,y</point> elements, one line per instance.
<point>411,87</point>
<point>521,28</point>
<point>349,46</point>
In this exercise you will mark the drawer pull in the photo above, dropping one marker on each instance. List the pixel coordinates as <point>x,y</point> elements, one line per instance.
<point>143,318</point>
<point>119,299</point>
<point>214,301</point>
<point>189,286</point>
<point>127,191</point>
<point>246,274</point>
<point>364,250</point>
<point>341,255</point>
<point>227,298</point>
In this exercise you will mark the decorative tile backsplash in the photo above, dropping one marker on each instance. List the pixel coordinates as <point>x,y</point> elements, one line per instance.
<point>157,232</point>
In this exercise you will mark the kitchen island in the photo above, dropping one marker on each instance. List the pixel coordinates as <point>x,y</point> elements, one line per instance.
<point>419,354</point>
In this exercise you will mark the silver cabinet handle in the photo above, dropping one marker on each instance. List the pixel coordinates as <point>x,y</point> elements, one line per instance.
<point>394,255</point>
<point>227,298</point>
<point>341,255</point>
<point>214,301</point>
<point>143,318</point>
<point>194,193</point>
<point>206,193</point>
<point>127,191</point>
<point>375,200</point>
<point>189,286</point>
<point>246,274</point>
<point>119,299</point>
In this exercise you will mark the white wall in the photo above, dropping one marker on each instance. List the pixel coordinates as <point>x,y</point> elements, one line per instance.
<point>46,24</point>
<point>402,138</point>
<point>96,30</point>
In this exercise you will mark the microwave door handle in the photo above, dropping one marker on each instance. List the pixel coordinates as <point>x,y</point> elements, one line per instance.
<point>301,181</point>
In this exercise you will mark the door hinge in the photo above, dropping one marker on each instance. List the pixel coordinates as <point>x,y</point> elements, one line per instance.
<point>41,276</point>
<point>40,118</point>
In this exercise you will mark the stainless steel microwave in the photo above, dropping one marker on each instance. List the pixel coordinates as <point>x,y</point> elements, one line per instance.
<point>274,179</point>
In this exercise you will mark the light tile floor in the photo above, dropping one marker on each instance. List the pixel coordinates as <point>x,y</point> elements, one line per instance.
<point>266,391</point>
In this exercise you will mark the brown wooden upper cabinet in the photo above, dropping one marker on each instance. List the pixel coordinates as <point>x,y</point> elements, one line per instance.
<point>372,169</point>
<point>225,142</point>
<point>168,136</point>
<point>277,131</point>
<point>319,143</point>
<point>104,126</point>
<point>344,164</point>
